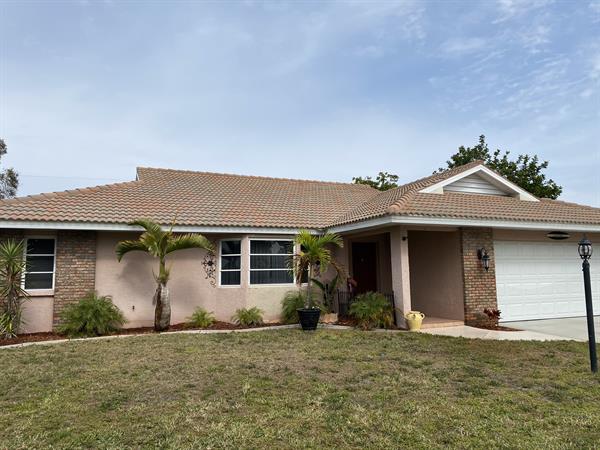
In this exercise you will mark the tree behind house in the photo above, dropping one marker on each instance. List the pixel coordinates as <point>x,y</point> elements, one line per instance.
<point>526,171</point>
<point>9,178</point>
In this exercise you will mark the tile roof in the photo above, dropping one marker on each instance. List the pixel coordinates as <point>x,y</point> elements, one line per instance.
<point>196,199</point>
<point>213,199</point>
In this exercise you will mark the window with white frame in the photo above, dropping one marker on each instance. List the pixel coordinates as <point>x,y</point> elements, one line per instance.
<point>231,256</point>
<point>39,255</point>
<point>269,261</point>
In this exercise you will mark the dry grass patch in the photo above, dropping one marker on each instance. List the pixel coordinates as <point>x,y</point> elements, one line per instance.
<point>286,388</point>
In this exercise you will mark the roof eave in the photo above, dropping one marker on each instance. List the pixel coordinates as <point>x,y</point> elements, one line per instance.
<point>388,220</point>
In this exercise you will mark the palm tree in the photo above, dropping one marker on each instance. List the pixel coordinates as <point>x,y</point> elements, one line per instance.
<point>159,243</point>
<point>12,270</point>
<point>315,257</point>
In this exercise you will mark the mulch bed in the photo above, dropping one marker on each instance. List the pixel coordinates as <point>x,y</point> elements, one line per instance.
<point>38,337</point>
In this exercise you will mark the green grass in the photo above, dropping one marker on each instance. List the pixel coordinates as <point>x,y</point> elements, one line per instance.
<point>289,389</point>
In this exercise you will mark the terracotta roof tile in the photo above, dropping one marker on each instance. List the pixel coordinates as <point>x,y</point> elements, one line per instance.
<point>196,199</point>
<point>213,199</point>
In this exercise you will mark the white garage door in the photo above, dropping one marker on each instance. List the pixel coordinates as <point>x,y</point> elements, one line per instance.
<point>542,280</point>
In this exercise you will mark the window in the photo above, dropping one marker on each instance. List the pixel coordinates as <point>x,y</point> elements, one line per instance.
<point>269,262</point>
<point>231,256</point>
<point>39,255</point>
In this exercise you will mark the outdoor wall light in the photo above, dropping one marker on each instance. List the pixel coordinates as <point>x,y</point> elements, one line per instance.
<point>558,235</point>
<point>483,256</point>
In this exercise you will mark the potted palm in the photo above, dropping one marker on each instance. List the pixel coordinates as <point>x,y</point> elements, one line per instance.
<point>313,257</point>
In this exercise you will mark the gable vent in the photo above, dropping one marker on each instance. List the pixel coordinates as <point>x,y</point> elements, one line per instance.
<point>475,184</point>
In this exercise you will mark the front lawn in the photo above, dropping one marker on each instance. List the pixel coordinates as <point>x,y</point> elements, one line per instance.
<point>286,388</point>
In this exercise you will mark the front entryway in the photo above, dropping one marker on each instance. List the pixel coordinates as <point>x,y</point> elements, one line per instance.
<point>364,266</point>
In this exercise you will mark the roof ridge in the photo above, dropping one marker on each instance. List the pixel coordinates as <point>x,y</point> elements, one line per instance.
<point>200,172</point>
<point>432,179</point>
<point>405,193</point>
<point>44,195</point>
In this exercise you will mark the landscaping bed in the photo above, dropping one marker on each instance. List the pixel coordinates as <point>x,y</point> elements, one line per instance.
<point>290,389</point>
<point>40,337</point>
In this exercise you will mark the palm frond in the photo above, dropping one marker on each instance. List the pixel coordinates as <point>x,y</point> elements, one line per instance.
<point>186,241</point>
<point>124,247</point>
<point>330,239</point>
<point>148,225</point>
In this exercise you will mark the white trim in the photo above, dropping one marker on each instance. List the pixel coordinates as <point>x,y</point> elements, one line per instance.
<point>39,225</point>
<point>443,221</point>
<point>26,239</point>
<point>219,256</point>
<point>438,188</point>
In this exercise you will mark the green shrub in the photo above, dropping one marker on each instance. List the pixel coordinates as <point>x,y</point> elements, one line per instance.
<point>8,328</point>
<point>201,318</point>
<point>91,316</point>
<point>248,317</point>
<point>371,310</point>
<point>292,301</point>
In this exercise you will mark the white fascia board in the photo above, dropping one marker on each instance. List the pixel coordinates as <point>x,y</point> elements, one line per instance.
<point>492,177</point>
<point>441,221</point>
<point>35,225</point>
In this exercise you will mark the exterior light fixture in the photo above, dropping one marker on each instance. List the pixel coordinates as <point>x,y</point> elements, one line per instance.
<point>585,251</point>
<point>483,256</point>
<point>558,235</point>
<point>585,248</point>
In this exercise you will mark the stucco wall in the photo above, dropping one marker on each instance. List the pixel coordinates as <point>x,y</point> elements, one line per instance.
<point>131,284</point>
<point>37,314</point>
<point>436,273</point>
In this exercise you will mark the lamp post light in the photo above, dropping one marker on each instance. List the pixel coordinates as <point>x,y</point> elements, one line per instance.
<point>484,257</point>
<point>585,251</point>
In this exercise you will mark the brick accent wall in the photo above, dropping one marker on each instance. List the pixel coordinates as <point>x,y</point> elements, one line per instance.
<point>75,268</point>
<point>479,285</point>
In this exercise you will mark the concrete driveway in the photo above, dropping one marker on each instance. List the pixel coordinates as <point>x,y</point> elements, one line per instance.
<point>570,328</point>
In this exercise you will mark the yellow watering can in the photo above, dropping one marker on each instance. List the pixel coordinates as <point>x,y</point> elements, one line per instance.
<point>414,319</point>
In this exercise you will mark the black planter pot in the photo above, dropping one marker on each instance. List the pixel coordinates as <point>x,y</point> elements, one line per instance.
<point>309,318</point>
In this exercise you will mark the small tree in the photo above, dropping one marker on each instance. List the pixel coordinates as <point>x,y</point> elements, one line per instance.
<point>525,171</point>
<point>12,269</point>
<point>9,178</point>
<point>313,257</point>
<point>159,243</point>
<point>383,182</point>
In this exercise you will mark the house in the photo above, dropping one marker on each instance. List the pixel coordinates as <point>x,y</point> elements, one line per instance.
<point>421,241</point>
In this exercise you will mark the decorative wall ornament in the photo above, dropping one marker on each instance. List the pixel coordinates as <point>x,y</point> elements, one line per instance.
<point>210,268</point>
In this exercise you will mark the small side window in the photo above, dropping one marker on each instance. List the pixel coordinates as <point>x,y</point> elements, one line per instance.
<point>230,264</point>
<point>39,254</point>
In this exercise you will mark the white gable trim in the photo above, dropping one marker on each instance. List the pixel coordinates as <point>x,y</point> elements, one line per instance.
<point>488,175</point>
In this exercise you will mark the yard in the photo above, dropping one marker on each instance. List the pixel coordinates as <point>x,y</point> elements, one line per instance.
<point>282,389</point>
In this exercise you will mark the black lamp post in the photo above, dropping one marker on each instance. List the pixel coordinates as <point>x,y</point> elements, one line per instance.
<point>585,251</point>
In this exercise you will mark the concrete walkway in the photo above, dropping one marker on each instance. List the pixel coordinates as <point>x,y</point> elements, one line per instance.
<point>478,333</point>
<point>570,328</point>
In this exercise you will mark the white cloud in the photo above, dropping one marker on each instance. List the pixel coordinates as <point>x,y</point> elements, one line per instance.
<point>510,9</point>
<point>463,46</point>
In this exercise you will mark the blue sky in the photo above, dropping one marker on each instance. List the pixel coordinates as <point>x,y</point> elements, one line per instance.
<point>320,90</point>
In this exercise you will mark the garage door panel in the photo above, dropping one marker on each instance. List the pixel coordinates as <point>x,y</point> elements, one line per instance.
<point>541,281</point>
